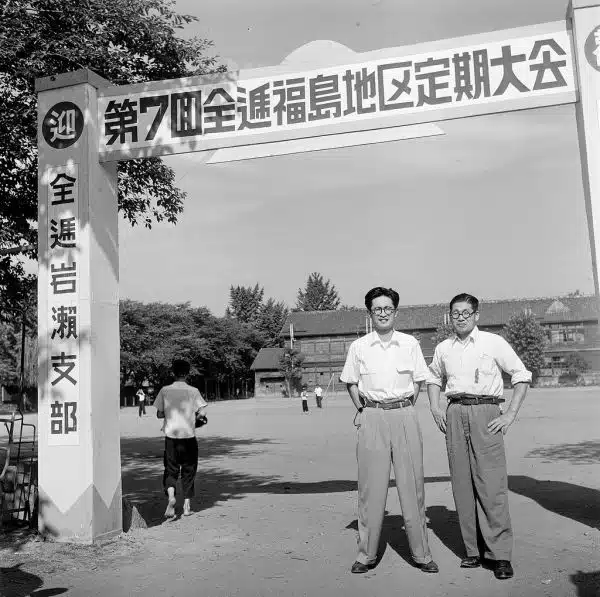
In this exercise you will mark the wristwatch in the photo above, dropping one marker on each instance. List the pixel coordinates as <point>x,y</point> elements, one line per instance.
<point>360,409</point>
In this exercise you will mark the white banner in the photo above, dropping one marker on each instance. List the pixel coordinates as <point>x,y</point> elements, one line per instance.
<point>492,72</point>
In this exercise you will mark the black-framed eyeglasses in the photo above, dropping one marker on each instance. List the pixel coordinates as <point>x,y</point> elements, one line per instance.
<point>380,310</point>
<point>464,314</point>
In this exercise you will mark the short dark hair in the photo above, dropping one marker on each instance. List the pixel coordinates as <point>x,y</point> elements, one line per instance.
<point>180,367</point>
<point>380,291</point>
<point>463,297</point>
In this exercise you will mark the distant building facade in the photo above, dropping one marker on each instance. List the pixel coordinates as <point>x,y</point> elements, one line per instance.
<point>323,337</point>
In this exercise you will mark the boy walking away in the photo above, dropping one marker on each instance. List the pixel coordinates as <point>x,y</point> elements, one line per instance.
<point>179,404</point>
<point>304,397</point>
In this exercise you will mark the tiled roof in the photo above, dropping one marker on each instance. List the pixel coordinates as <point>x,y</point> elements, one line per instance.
<point>427,317</point>
<point>267,358</point>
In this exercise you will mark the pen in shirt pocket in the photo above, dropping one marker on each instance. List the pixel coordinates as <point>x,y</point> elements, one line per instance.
<point>477,375</point>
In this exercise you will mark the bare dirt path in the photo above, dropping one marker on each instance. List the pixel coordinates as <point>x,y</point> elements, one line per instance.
<point>275,512</point>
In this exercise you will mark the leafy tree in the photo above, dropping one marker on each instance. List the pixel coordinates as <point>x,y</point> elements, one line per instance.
<point>245,303</point>
<point>576,364</point>
<point>528,339</point>
<point>290,366</point>
<point>271,319</point>
<point>318,295</point>
<point>154,334</point>
<point>443,331</point>
<point>19,311</point>
<point>8,354</point>
<point>128,41</point>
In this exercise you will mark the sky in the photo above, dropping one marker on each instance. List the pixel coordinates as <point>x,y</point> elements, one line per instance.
<point>494,207</point>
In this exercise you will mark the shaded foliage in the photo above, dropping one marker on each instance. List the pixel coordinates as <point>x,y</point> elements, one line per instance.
<point>125,42</point>
<point>290,365</point>
<point>247,306</point>
<point>442,332</point>
<point>318,295</point>
<point>154,334</point>
<point>528,339</point>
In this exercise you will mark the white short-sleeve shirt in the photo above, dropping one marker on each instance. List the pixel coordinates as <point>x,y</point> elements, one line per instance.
<point>179,402</point>
<point>385,371</point>
<point>475,365</point>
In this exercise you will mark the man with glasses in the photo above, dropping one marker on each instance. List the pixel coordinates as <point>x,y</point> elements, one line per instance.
<point>472,362</point>
<point>383,372</point>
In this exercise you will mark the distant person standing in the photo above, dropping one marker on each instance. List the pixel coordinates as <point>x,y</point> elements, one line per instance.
<point>179,404</point>
<point>141,402</point>
<point>304,398</point>
<point>472,362</point>
<point>319,396</point>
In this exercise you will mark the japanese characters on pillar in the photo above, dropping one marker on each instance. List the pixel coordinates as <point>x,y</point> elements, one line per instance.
<point>63,237</point>
<point>493,72</point>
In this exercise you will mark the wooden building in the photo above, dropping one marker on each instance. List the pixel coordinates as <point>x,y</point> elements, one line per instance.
<point>323,337</point>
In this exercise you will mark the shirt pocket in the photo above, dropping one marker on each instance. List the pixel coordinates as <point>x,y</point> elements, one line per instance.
<point>487,364</point>
<point>405,369</point>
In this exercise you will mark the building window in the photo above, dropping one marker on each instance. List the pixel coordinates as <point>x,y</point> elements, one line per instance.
<point>562,334</point>
<point>337,347</point>
<point>322,347</point>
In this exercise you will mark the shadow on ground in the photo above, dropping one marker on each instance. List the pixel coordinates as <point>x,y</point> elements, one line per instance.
<point>577,502</point>
<point>443,522</point>
<point>581,453</point>
<point>15,582</point>
<point>587,583</point>
<point>142,466</point>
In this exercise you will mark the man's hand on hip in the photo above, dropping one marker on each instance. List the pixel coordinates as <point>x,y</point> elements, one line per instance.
<point>501,423</point>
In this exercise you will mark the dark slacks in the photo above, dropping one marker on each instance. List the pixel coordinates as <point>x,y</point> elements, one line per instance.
<point>142,408</point>
<point>319,400</point>
<point>479,479</point>
<point>305,406</point>
<point>181,454</point>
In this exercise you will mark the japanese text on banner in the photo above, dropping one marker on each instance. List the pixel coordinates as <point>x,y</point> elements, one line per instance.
<point>499,71</point>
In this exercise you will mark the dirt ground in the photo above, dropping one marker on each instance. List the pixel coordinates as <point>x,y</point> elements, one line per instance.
<point>275,512</point>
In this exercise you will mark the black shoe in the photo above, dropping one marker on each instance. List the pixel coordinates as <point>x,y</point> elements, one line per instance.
<point>470,562</point>
<point>360,568</point>
<point>430,567</point>
<point>503,570</point>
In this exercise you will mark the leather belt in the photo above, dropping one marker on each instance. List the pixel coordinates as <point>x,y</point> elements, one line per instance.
<point>470,399</point>
<point>404,402</point>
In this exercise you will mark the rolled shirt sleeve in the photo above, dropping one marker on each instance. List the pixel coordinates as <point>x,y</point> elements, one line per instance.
<point>509,361</point>
<point>199,402</point>
<point>436,369</point>
<point>351,370</point>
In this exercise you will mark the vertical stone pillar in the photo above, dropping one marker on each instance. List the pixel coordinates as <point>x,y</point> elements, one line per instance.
<point>585,18</point>
<point>78,316</point>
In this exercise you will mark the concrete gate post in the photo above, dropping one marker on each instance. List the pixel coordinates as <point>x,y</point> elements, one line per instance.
<point>585,17</point>
<point>78,316</point>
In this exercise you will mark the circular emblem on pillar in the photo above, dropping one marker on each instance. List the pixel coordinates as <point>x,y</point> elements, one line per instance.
<point>62,125</point>
<point>592,48</point>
